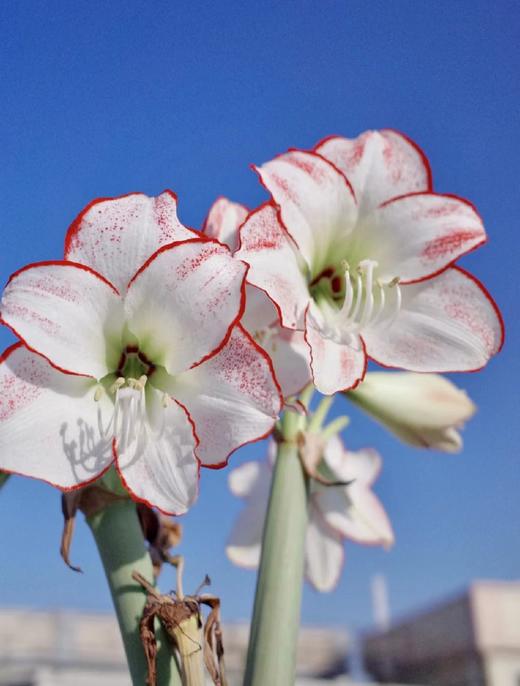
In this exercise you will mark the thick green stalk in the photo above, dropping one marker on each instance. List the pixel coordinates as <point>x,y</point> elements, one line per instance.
<point>121,547</point>
<point>271,658</point>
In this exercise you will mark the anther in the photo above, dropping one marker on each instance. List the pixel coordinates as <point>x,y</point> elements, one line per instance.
<point>166,400</point>
<point>118,383</point>
<point>98,393</point>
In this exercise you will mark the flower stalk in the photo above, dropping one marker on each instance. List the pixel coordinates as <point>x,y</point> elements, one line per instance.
<point>271,656</point>
<point>120,542</point>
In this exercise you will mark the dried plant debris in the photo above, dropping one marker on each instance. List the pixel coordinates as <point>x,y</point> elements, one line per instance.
<point>161,533</point>
<point>197,643</point>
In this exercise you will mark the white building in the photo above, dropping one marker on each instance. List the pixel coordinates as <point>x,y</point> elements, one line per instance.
<point>473,640</point>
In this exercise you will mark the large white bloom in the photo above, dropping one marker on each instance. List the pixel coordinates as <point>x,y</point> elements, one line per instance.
<point>131,358</point>
<point>358,251</point>
<point>424,410</point>
<point>335,512</point>
<point>286,348</point>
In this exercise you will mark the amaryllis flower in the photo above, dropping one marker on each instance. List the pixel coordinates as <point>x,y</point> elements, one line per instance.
<point>359,253</point>
<point>287,349</point>
<point>423,410</point>
<point>131,354</point>
<point>335,512</point>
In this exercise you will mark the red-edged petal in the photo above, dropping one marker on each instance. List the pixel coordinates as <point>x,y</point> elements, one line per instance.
<point>156,462</point>
<point>287,349</point>
<point>418,235</point>
<point>273,263</point>
<point>448,323</point>
<point>50,426</point>
<point>317,205</point>
<point>335,366</point>
<point>115,236</point>
<point>232,398</point>
<point>68,313</point>
<point>224,218</point>
<point>324,554</point>
<point>379,164</point>
<point>183,302</point>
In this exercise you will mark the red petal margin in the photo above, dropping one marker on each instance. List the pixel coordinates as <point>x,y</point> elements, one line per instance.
<point>64,489</point>
<point>47,263</point>
<point>135,497</point>
<point>440,195</point>
<point>263,353</point>
<point>498,313</point>
<point>242,305</point>
<point>75,227</point>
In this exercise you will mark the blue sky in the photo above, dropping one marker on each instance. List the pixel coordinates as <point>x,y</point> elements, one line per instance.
<point>100,99</point>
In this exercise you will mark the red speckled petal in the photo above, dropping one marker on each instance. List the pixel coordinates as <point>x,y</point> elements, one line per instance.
<point>335,366</point>
<point>324,554</point>
<point>273,262</point>
<point>115,236</point>
<point>379,164</point>
<point>418,235</point>
<point>50,426</point>
<point>232,398</point>
<point>67,313</point>
<point>182,304</point>
<point>446,324</point>
<point>224,218</point>
<point>158,465</point>
<point>317,206</point>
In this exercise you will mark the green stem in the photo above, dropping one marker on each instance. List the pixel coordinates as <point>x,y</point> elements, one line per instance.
<point>3,478</point>
<point>271,656</point>
<point>121,547</point>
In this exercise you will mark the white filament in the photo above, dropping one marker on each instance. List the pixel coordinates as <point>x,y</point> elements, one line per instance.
<point>364,308</point>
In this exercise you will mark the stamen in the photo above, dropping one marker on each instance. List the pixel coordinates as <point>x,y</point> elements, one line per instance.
<point>98,393</point>
<point>166,400</point>
<point>118,383</point>
<point>368,266</point>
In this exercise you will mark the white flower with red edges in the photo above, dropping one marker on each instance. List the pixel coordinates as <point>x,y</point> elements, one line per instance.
<point>287,349</point>
<point>336,513</point>
<point>358,251</point>
<point>131,353</point>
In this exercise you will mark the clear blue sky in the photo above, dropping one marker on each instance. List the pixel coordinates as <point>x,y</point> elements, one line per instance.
<point>105,98</point>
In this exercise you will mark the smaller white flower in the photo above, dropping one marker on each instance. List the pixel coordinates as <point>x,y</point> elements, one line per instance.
<point>423,410</point>
<point>335,512</point>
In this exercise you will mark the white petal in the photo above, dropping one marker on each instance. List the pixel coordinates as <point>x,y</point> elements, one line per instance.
<point>379,164</point>
<point>232,398</point>
<point>50,426</point>
<point>182,304</point>
<point>224,218</point>
<point>447,323</point>
<point>260,311</point>
<point>415,236</point>
<point>158,464</point>
<point>290,355</point>
<point>68,313</point>
<point>324,554</point>
<point>316,202</point>
<point>363,465</point>
<point>252,479</point>
<point>353,510</point>
<point>244,479</point>
<point>274,266</point>
<point>115,236</point>
<point>335,366</point>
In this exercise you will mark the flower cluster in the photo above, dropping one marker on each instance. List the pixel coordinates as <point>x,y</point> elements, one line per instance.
<point>156,348</point>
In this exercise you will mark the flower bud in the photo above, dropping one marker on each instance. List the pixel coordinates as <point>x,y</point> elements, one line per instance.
<point>423,410</point>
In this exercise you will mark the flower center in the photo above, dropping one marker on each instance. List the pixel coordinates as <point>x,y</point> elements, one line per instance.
<point>353,299</point>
